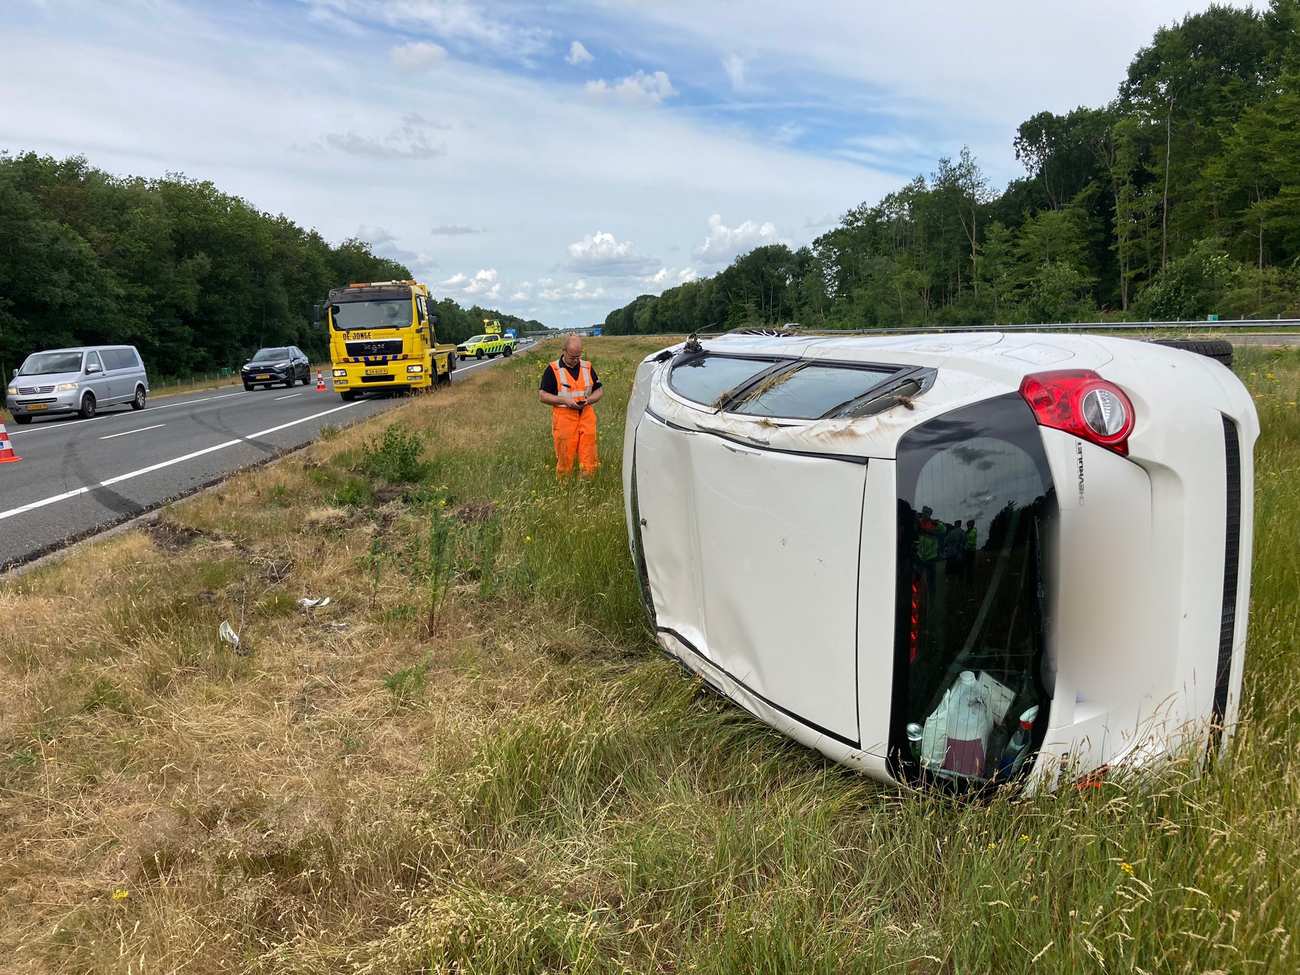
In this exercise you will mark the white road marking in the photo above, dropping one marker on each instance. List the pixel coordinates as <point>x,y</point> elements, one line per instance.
<point>78,424</point>
<point>290,396</point>
<point>75,492</point>
<point>128,433</point>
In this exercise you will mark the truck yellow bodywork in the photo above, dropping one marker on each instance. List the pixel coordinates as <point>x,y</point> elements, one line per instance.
<point>376,344</point>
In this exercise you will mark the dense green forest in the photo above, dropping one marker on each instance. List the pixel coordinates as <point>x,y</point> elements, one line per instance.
<point>195,278</point>
<point>1179,199</point>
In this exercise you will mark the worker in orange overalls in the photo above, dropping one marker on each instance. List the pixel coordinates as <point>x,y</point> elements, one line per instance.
<point>571,388</point>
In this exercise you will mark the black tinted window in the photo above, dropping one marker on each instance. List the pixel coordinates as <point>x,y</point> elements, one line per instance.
<point>809,392</point>
<point>706,378</point>
<point>975,508</point>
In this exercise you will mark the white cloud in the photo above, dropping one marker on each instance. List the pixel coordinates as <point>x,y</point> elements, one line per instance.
<point>724,243</point>
<point>456,21</point>
<point>573,291</point>
<point>417,55</point>
<point>384,243</point>
<point>411,138</point>
<point>734,65</point>
<point>578,54</point>
<point>649,89</point>
<point>604,254</point>
<point>455,230</point>
<point>484,284</point>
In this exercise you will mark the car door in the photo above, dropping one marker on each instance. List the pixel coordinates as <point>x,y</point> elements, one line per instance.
<point>755,557</point>
<point>96,378</point>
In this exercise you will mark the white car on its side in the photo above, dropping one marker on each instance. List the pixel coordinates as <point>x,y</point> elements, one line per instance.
<point>950,559</point>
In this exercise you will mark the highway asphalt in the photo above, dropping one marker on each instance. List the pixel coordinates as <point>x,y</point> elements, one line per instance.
<point>78,477</point>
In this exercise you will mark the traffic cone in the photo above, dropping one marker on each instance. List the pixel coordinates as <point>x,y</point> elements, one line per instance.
<point>7,455</point>
<point>320,382</point>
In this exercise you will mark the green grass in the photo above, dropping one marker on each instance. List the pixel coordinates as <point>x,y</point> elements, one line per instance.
<point>475,761</point>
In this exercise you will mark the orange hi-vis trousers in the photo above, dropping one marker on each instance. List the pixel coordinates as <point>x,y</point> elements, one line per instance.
<point>574,431</point>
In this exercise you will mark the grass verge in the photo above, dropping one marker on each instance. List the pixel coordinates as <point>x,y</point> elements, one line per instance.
<point>471,760</point>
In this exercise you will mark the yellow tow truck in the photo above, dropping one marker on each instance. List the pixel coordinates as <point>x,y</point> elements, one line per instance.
<point>382,337</point>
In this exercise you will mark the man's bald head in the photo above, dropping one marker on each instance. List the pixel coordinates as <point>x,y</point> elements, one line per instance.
<point>573,346</point>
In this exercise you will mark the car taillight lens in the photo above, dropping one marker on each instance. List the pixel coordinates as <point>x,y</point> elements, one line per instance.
<point>1080,402</point>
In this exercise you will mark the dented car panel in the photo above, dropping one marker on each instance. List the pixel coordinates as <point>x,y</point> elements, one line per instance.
<point>948,588</point>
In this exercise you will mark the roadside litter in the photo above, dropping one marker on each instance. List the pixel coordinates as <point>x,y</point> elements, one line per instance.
<point>229,637</point>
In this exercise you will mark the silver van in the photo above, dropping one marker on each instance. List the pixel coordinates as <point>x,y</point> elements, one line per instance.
<point>81,381</point>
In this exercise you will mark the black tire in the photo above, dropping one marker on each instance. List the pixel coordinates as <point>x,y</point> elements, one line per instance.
<point>139,401</point>
<point>478,353</point>
<point>248,387</point>
<point>22,421</point>
<point>348,395</point>
<point>1217,349</point>
<point>507,351</point>
<point>87,409</point>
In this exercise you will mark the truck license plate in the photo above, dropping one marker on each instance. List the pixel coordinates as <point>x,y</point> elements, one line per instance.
<point>377,372</point>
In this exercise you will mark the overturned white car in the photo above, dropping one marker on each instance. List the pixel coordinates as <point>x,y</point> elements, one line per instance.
<point>950,559</point>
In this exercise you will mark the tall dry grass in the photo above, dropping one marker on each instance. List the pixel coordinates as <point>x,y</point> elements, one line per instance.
<point>520,784</point>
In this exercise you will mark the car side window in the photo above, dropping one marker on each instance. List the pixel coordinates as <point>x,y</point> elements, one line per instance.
<point>809,392</point>
<point>92,358</point>
<point>710,379</point>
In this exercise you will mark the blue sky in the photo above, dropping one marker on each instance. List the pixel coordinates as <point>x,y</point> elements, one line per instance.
<point>555,159</point>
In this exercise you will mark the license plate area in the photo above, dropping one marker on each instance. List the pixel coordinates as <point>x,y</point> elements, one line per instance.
<point>36,407</point>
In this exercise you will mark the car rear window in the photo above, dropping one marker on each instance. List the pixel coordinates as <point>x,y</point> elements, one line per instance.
<point>704,379</point>
<point>809,392</point>
<point>976,509</point>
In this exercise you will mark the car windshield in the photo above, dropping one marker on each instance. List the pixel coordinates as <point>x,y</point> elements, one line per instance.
<point>972,669</point>
<point>388,313</point>
<point>271,355</point>
<point>49,363</point>
<point>809,392</point>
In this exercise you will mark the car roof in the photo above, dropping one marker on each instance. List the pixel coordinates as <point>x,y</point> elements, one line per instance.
<point>85,348</point>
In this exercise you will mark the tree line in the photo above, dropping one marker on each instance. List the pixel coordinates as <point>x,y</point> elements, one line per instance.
<point>195,278</point>
<point>1179,199</point>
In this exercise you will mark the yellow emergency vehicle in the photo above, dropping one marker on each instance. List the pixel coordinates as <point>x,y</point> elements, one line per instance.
<point>382,336</point>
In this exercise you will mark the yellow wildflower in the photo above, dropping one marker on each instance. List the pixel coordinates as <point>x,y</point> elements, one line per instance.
<point>528,539</point>
<point>1024,837</point>
<point>121,894</point>
<point>1127,868</point>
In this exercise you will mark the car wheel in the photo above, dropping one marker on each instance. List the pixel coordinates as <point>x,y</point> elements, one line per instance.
<point>87,410</point>
<point>306,379</point>
<point>507,351</point>
<point>22,421</point>
<point>348,395</point>
<point>248,387</point>
<point>138,402</point>
<point>1216,349</point>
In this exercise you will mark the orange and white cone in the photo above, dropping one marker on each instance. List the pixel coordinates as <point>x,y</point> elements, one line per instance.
<point>7,455</point>
<point>320,382</point>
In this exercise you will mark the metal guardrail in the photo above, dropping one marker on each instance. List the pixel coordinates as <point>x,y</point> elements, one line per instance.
<point>1253,324</point>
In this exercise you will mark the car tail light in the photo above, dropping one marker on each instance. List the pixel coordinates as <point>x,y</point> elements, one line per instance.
<point>1080,402</point>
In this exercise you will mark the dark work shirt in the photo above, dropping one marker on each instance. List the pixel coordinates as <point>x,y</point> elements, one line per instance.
<point>548,384</point>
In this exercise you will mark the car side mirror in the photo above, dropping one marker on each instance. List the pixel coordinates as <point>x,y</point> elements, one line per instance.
<point>433,319</point>
<point>317,313</point>
<point>91,369</point>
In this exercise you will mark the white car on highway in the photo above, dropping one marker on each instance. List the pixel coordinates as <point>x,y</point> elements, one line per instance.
<point>950,559</point>
<point>81,380</point>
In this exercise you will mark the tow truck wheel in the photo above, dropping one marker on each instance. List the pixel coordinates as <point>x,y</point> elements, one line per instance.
<point>348,395</point>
